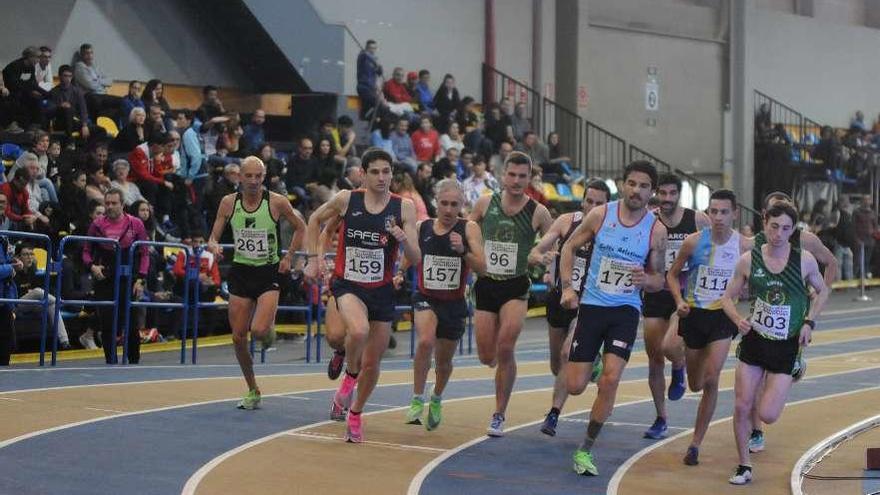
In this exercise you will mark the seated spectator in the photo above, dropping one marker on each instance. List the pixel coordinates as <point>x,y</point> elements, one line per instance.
<point>173,149</point>
<point>446,102</point>
<point>36,194</point>
<point>5,222</point>
<point>499,127</point>
<point>858,122</point>
<point>132,135</point>
<point>53,163</point>
<point>469,116</point>
<point>275,169</point>
<point>30,288</point>
<point>447,166</point>
<point>303,176</point>
<point>131,101</point>
<point>94,84</point>
<point>368,72</point>
<point>209,271</point>
<point>402,146</point>
<point>425,95</point>
<point>426,141</point>
<point>97,183</point>
<point>155,119</point>
<point>75,206</point>
<point>41,151</point>
<point>56,227</point>
<point>228,184</point>
<point>465,164</point>
<point>557,157</point>
<point>829,150</point>
<point>536,150</point>
<point>397,96</point>
<point>211,105</point>
<point>381,138</point>
<point>98,156</point>
<point>17,209</point>
<point>412,82</point>
<point>154,92</point>
<point>329,165</point>
<point>536,187</point>
<point>155,232</point>
<point>230,139</point>
<point>20,79</point>
<point>344,137</point>
<point>520,122</point>
<point>402,185</point>
<point>452,138</point>
<point>476,139</point>
<point>8,268</point>
<point>148,161</point>
<point>481,182</point>
<point>352,178</point>
<point>424,183</point>
<point>43,69</point>
<point>496,162</point>
<point>254,135</point>
<point>130,191</point>
<point>68,109</point>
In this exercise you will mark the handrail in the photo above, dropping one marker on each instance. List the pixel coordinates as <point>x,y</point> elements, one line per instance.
<point>644,154</point>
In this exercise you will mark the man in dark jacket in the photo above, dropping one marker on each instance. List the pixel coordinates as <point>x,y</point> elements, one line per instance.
<point>8,268</point>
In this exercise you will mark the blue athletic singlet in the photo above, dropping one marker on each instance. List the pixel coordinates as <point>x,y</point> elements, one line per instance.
<point>712,267</point>
<point>617,250</point>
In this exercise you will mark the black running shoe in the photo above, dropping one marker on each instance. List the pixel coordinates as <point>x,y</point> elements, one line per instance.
<point>692,458</point>
<point>334,367</point>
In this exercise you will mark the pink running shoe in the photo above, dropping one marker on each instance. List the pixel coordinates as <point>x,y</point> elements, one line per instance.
<point>353,430</point>
<point>342,398</point>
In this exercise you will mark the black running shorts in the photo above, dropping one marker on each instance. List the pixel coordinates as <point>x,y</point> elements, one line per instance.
<point>658,304</point>
<point>774,356</point>
<point>704,326</point>
<point>614,327</point>
<point>378,300</point>
<point>557,316</point>
<point>250,282</point>
<point>451,315</point>
<point>492,294</point>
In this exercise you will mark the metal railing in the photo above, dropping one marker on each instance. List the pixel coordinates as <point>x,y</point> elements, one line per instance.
<point>502,86</point>
<point>636,153</point>
<point>44,301</point>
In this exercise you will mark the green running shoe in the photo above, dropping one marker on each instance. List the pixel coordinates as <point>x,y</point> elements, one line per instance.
<point>269,338</point>
<point>416,408</point>
<point>250,401</point>
<point>435,409</point>
<point>583,463</point>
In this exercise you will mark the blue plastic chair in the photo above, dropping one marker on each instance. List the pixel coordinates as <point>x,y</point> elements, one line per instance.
<point>564,192</point>
<point>10,151</point>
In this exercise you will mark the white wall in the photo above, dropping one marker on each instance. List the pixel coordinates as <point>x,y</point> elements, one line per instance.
<point>132,40</point>
<point>825,70</point>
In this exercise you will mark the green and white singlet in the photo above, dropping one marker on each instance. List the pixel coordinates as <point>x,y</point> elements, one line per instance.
<point>255,233</point>
<point>780,301</point>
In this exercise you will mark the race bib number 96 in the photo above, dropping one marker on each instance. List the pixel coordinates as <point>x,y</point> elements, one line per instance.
<point>441,272</point>
<point>364,265</point>
<point>578,272</point>
<point>615,277</point>
<point>771,321</point>
<point>501,257</point>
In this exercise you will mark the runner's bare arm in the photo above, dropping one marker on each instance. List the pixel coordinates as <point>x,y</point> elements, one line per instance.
<point>411,242</point>
<point>811,243</point>
<point>584,233</point>
<point>334,208</point>
<point>479,209</point>
<point>405,263</point>
<point>746,243</point>
<point>687,249</point>
<point>542,220</point>
<point>655,271</point>
<point>813,278</point>
<point>475,257</point>
<point>224,212</point>
<point>536,255</point>
<point>282,205</point>
<point>702,220</point>
<point>734,288</point>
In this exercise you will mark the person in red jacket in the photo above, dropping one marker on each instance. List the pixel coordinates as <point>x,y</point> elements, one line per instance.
<point>395,88</point>
<point>209,270</point>
<point>147,161</point>
<point>426,141</point>
<point>17,198</point>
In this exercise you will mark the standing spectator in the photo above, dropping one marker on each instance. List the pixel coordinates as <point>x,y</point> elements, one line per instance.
<point>30,287</point>
<point>100,259</point>
<point>130,191</point>
<point>865,223</point>
<point>74,202</point>
<point>254,135</point>
<point>8,268</point>
<point>21,81</point>
<point>425,96</point>
<point>132,135</point>
<point>402,146</point>
<point>426,141</point>
<point>131,101</point>
<point>520,122</point>
<point>9,110</point>
<point>845,237</point>
<point>368,72</point>
<point>68,105</point>
<point>446,102</point>
<point>481,182</point>
<point>192,159</point>
<point>452,138</point>
<point>17,210</point>
<point>43,69</point>
<point>94,83</point>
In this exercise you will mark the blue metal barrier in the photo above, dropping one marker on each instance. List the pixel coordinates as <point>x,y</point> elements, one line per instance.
<point>44,302</point>
<point>60,301</point>
<point>184,306</point>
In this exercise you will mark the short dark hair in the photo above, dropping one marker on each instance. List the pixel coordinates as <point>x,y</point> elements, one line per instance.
<point>424,72</point>
<point>116,191</point>
<point>722,194</point>
<point>21,246</point>
<point>518,158</point>
<point>344,121</point>
<point>64,68</point>
<point>777,195</point>
<point>599,185</point>
<point>197,232</point>
<point>21,173</point>
<point>45,48</point>
<point>187,113</point>
<point>527,134</point>
<point>158,139</point>
<point>666,179</point>
<point>370,42</point>
<point>84,47</point>
<point>374,154</point>
<point>644,167</point>
<point>780,209</point>
<point>207,89</point>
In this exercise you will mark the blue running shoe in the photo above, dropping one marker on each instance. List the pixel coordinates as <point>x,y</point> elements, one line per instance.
<point>657,430</point>
<point>676,385</point>
<point>550,422</point>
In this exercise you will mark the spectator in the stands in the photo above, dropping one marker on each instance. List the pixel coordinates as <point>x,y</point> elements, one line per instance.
<point>94,84</point>
<point>68,105</point>
<point>209,270</point>
<point>499,127</point>
<point>344,136</point>
<point>520,121</point>
<point>19,78</point>
<point>254,134</point>
<point>424,183</point>
<point>829,150</point>
<point>192,160</point>
<point>9,109</point>
<point>395,88</point>
<point>155,119</point>
<point>53,162</point>
<point>496,162</point>
<point>452,138</point>
<point>30,288</point>
<point>228,184</point>
<point>275,169</point>
<point>154,92</point>
<point>858,122</point>
<point>130,191</point>
<point>353,178</point>
<point>425,97</point>
<point>97,183</point>
<point>74,202</point>
<point>5,222</point>
<point>865,224</point>
<point>302,172</point>
<point>402,146</point>
<point>329,165</point>
<point>480,182</point>
<point>99,259</point>
<point>43,69</point>
<point>536,187</point>
<point>211,105</point>
<point>845,235</point>
<point>446,102</point>
<point>131,101</point>
<point>426,141</point>
<point>8,268</point>
<point>536,150</point>
<point>17,209</point>
<point>763,123</point>
<point>133,134</point>
<point>402,185</point>
<point>36,194</point>
<point>381,137</point>
<point>465,164</point>
<point>40,149</point>
<point>469,116</point>
<point>368,72</point>
<point>230,139</point>
<point>876,129</point>
<point>447,166</point>
<point>412,83</point>
<point>148,161</point>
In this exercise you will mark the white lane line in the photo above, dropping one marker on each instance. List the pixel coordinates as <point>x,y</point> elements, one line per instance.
<point>11,399</point>
<point>614,484</point>
<point>618,423</point>
<point>397,446</point>
<point>114,411</point>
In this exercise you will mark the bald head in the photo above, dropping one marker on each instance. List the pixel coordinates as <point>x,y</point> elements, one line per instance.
<point>253,172</point>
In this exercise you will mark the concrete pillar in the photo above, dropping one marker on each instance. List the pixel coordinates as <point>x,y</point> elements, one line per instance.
<point>567,40</point>
<point>743,169</point>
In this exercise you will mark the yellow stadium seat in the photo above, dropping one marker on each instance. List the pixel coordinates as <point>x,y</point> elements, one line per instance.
<point>169,251</point>
<point>41,257</point>
<point>577,190</point>
<point>550,192</point>
<point>108,125</point>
